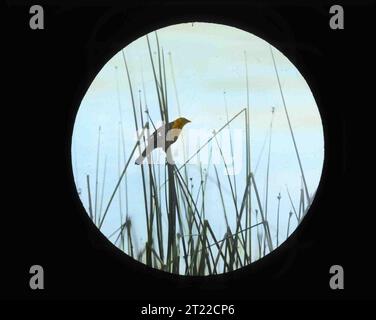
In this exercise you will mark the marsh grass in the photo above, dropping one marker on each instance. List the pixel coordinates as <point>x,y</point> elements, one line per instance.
<point>179,237</point>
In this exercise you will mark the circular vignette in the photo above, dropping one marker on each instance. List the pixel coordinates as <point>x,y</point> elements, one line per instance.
<point>205,78</point>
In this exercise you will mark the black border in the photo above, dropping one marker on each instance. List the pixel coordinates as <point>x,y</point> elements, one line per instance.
<point>59,63</point>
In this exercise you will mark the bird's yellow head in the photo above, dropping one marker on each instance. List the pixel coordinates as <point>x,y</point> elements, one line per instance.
<point>179,123</point>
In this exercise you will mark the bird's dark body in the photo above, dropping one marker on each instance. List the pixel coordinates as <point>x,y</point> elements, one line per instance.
<point>163,137</point>
<point>155,138</point>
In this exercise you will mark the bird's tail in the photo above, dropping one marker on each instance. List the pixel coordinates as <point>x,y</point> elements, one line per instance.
<point>141,158</point>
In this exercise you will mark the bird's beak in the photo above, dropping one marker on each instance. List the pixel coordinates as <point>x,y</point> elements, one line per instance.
<point>188,121</point>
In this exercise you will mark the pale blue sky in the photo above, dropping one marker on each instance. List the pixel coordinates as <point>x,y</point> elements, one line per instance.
<point>208,59</point>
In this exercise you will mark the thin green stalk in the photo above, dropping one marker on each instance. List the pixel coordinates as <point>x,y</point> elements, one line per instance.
<point>231,144</point>
<point>119,172</point>
<point>238,221</point>
<point>155,80</point>
<point>290,127</point>
<point>120,178</point>
<point>267,172</point>
<point>259,236</point>
<point>148,252</point>
<point>265,223</point>
<point>248,161</point>
<point>221,196</point>
<point>89,196</point>
<point>102,189</point>
<point>279,202</point>
<point>301,205</point>
<point>292,204</point>
<point>211,138</point>
<point>288,225</point>
<point>181,228</point>
<point>96,176</point>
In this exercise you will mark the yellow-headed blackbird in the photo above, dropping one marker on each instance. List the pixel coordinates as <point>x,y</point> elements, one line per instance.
<point>163,137</point>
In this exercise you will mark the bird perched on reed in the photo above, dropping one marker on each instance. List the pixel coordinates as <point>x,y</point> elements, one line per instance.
<point>163,137</point>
